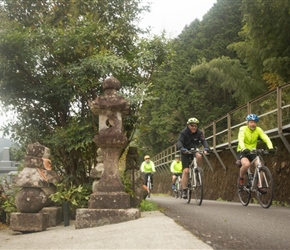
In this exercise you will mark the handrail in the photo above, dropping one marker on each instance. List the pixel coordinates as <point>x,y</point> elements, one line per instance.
<point>273,109</point>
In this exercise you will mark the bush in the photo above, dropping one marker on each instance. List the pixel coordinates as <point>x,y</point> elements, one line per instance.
<point>7,201</point>
<point>77,197</point>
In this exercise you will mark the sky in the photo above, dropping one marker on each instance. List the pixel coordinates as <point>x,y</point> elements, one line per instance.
<point>173,15</point>
<point>168,15</point>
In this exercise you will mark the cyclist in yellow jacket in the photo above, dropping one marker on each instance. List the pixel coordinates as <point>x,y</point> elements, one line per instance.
<point>147,167</point>
<point>176,169</point>
<point>247,140</point>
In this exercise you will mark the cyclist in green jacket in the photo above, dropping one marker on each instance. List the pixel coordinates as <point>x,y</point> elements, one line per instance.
<point>147,167</point>
<point>176,169</point>
<point>247,140</point>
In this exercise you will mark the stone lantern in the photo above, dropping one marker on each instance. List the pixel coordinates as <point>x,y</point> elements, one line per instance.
<point>109,203</point>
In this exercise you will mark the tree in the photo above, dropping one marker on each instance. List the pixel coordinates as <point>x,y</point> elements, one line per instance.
<point>180,94</point>
<point>265,48</point>
<point>54,56</point>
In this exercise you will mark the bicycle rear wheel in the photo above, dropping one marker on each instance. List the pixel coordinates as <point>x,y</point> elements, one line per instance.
<point>265,196</point>
<point>245,193</point>
<point>198,188</point>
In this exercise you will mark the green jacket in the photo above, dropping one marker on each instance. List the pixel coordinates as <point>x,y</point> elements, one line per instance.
<point>147,167</point>
<point>248,138</point>
<point>176,167</point>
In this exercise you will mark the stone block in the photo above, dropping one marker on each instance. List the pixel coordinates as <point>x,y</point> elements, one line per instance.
<point>110,200</point>
<point>86,217</point>
<point>55,215</point>
<point>29,222</point>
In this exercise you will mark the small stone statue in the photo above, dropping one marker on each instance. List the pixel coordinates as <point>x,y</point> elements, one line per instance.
<point>36,180</point>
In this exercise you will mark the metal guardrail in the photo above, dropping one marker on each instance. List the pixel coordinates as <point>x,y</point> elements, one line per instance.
<point>273,109</point>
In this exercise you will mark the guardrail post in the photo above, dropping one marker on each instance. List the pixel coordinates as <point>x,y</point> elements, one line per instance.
<point>230,136</point>
<point>214,148</point>
<point>280,120</point>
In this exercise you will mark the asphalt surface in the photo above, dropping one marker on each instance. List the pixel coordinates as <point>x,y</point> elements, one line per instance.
<point>153,230</point>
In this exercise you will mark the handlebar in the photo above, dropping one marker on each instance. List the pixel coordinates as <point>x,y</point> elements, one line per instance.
<point>259,151</point>
<point>193,151</point>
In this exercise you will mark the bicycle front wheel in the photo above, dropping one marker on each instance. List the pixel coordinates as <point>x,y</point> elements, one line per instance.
<point>198,187</point>
<point>189,192</point>
<point>180,189</point>
<point>149,189</point>
<point>176,190</point>
<point>190,187</point>
<point>245,192</point>
<point>266,189</point>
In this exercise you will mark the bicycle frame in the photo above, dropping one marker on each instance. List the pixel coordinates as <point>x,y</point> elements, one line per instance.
<point>194,178</point>
<point>178,188</point>
<point>259,182</point>
<point>257,163</point>
<point>149,184</point>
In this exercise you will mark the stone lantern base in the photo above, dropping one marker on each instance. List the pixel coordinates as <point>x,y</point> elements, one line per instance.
<point>86,217</point>
<point>110,200</point>
<point>106,208</point>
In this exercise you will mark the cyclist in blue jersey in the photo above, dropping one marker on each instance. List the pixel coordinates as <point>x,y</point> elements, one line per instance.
<point>247,140</point>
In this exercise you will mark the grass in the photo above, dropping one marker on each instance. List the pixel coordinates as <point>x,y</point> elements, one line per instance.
<point>148,206</point>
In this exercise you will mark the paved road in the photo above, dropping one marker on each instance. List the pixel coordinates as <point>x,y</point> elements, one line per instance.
<point>153,230</point>
<point>229,225</point>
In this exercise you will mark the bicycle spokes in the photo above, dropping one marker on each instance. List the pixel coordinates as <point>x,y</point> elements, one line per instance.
<point>244,192</point>
<point>265,187</point>
<point>198,188</point>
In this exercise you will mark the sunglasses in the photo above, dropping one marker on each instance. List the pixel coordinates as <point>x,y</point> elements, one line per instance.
<point>193,125</point>
<point>147,158</point>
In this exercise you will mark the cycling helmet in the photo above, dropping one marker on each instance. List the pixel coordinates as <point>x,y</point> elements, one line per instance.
<point>177,156</point>
<point>252,117</point>
<point>192,120</point>
<point>146,157</point>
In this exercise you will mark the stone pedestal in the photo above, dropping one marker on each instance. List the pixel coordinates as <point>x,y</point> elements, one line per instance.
<point>29,222</point>
<point>109,203</point>
<point>55,215</point>
<point>111,200</point>
<point>86,218</point>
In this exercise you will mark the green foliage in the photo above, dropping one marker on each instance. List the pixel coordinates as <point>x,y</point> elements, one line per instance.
<point>76,195</point>
<point>16,153</point>
<point>220,199</point>
<point>126,180</point>
<point>279,203</point>
<point>180,94</point>
<point>7,198</point>
<point>148,206</point>
<point>228,78</point>
<point>265,49</point>
<point>54,58</point>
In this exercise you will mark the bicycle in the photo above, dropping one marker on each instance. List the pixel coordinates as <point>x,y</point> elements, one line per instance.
<point>178,187</point>
<point>261,182</point>
<point>195,180</point>
<point>149,184</point>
